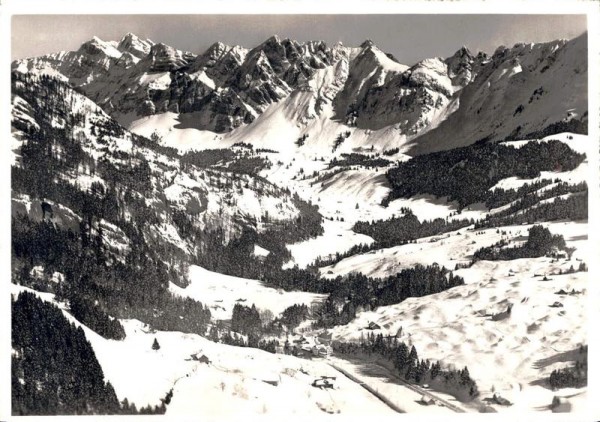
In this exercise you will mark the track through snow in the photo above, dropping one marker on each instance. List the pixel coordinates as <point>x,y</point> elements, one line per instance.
<point>367,387</point>
<point>398,394</point>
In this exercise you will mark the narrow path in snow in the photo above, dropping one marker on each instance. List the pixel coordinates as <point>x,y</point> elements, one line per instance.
<point>420,390</point>
<point>417,389</point>
<point>367,387</point>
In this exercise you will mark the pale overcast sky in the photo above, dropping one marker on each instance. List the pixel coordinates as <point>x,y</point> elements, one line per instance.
<point>409,38</point>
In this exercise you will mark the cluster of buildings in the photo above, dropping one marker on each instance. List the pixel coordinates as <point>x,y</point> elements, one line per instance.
<point>317,345</point>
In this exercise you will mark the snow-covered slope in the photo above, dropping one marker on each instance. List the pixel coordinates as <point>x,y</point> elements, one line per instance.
<point>519,91</point>
<point>449,249</point>
<point>237,381</point>
<point>221,292</point>
<point>456,325</point>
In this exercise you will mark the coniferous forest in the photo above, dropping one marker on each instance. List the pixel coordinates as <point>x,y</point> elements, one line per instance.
<point>54,370</point>
<point>539,242</point>
<point>466,174</point>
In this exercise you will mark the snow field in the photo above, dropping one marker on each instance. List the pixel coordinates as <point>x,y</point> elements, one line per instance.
<point>221,292</point>
<point>456,326</point>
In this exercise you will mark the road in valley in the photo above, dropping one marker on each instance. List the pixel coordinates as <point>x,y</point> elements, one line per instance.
<point>398,394</point>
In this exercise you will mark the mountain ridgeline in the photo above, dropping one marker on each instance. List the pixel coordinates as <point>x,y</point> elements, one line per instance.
<point>437,103</point>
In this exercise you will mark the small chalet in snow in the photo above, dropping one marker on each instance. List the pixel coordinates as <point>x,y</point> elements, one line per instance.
<point>427,400</point>
<point>373,326</point>
<point>324,382</point>
<point>560,405</point>
<point>201,358</point>
<point>322,350</point>
<point>501,400</point>
<point>325,338</point>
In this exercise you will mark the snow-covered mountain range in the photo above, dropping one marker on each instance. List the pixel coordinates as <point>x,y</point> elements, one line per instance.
<point>438,103</point>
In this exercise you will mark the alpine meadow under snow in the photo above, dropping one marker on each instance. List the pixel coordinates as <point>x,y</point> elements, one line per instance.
<point>299,228</point>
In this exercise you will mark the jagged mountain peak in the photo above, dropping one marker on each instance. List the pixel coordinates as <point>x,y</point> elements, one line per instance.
<point>375,56</point>
<point>134,45</point>
<point>370,46</point>
<point>97,46</point>
<point>463,66</point>
<point>160,48</point>
<point>217,49</point>
<point>163,57</point>
<point>129,37</point>
<point>367,44</point>
<point>273,45</point>
<point>463,53</point>
<point>273,39</point>
<point>96,39</point>
<point>220,60</point>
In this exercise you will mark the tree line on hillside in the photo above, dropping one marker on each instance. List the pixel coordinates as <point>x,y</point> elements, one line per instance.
<point>574,376</point>
<point>407,227</point>
<point>572,208</point>
<point>540,242</point>
<point>573,126</point>
<point>358,292</point>
<point>466,174</point>
<point>535,198</point>
<point>391,151</point>
<point>409,367</point>
<point>498,197</point>
<point>332,259</point>
<point>54,370</point>
<point>236,257</point>
<point>134,288</point>
<point>248,321</point>
<point>527,206</point>
<point>244,162</point>
<point>90,314</point>
<point>355,159</point>
<point>527,209</point>
<point>250,328</point>
<point>339,140</point>
<point>293,315</point>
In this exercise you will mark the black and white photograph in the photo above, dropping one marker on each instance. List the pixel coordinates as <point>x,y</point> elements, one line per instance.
<point>274,212</point>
